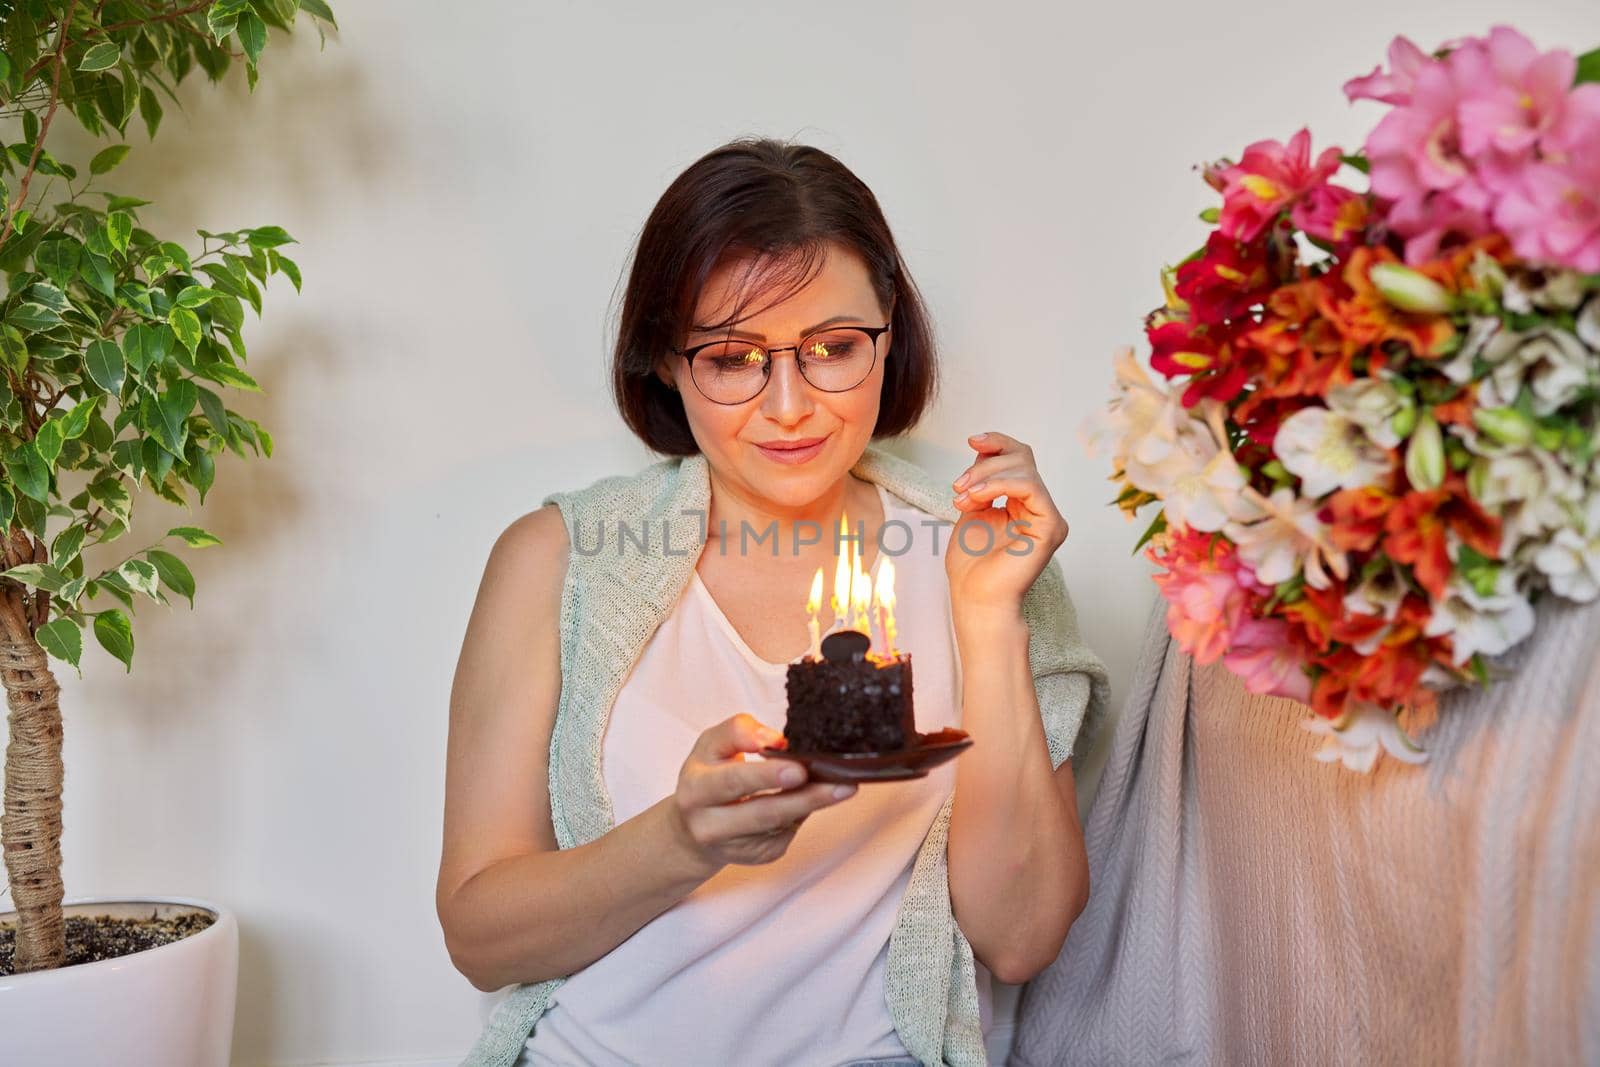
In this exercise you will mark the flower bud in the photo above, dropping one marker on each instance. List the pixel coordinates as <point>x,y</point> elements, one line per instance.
<point>1404,420</point>
<point>1169,285</point>
<point>1506,426</point>
<point>1425,454</point>
<point>1409,290</point>
<point>1478,477</point>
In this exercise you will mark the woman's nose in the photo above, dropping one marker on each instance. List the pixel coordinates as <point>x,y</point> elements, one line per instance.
<point>786,398</point>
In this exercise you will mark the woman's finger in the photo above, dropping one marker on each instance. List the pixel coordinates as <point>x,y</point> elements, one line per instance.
<point>760,814</point>
<point>991,467</point>
<point>996,442</point>
<point>737,733</point>
<point>726,782</point>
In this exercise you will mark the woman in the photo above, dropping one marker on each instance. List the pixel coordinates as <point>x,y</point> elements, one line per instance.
<point>654,895</point>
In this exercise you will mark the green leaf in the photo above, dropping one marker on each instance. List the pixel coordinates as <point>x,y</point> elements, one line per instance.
<point>228,374</point>
<point>115,635</point>
<point>202,473</point>
<point>62,639</point>
<point>119,227</point>
<point>1358,161</point>
<point>264,237</point>
<point>67,545</point>
<point>140,575</point>
<point>37,575</point>
<point>76,422</point>
<point>174,572</point>
<point>287,266</point>
<point>186,324</point>
<point>107,158</point>
<point>29,472</point>
<point>58,258</point>
<point>175,404</point>
<point>144,346</point>
<point>194,536</point>
<point>33,318</point>
<point>196,296</point>
<point>13,349</point>
<point>96,271</point>
<point>50,296</point>
<point>112,494</point>
<point>150,111</point>
<point>222,18</point>
<point>252,35</point>
<point>104,363</point>
<point>1588,67</point>
<point>48,441</point>
<point>101,56</point>
<point>320,10</point>
<point>1157,524</point>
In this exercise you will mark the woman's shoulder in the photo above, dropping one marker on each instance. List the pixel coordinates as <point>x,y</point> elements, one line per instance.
<point>621,495</point>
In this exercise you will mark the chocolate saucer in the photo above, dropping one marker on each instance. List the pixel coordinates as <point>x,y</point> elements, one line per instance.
<point>914,761</point>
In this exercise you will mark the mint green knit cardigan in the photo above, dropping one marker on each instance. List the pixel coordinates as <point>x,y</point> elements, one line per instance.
<point>611,603</point>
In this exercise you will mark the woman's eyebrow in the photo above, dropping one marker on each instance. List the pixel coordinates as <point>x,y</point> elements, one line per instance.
<point>762,337</point>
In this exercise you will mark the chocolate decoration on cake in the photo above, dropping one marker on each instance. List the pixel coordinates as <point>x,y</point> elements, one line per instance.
<point>844,646</point>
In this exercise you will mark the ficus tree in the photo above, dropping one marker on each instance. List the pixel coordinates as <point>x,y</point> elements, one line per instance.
<point>118,350</point>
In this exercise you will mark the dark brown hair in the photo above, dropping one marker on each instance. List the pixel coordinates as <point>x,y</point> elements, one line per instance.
<point>784,202</point>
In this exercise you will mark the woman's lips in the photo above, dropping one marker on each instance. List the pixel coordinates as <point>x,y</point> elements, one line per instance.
<point>793,455</point>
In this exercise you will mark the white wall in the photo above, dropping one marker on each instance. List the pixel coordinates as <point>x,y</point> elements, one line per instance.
<point>466,182</point>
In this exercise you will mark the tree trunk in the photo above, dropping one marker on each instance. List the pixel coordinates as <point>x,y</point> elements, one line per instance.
<point>30,828</point>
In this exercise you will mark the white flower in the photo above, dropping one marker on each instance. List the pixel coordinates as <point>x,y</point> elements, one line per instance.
<point>1288,539</point>
<point>1328,451</point>
<point>1358,735</point>
<point>1372,404</point>
<point>1571,558</point>
<point>1526,290</point>
<point>1153,438</point>
<point>1531,490</point>
<point>1553,362</point>
<point>1477,623</point>
<point>1379,594</point>
<point>1209,493</point>
<point>1480,331</point>
<point>1588,325</point>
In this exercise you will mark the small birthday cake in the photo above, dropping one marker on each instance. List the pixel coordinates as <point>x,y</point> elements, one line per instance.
<point>851,699</point>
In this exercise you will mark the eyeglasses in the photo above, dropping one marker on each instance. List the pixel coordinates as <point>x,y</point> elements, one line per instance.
<point>835,360</point>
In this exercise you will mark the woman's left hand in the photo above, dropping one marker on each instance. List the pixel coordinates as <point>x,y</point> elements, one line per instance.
<point>989,570</point>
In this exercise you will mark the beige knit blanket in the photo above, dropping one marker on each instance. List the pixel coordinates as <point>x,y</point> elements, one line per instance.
<point>1249,905</point>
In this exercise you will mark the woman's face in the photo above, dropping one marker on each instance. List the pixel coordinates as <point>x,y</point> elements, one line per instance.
<point>789,409</point>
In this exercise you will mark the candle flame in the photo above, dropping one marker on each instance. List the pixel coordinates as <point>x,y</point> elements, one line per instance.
<point>841,581</point>
<point>885,597</point>
<point>815,602</point>
<point>860,596</point>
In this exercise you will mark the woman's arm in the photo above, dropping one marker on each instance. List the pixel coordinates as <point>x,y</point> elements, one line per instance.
<point>1019,875</point>
<point>512,906</point>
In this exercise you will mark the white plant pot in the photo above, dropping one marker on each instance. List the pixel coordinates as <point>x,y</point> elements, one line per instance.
<point>170,1006</point>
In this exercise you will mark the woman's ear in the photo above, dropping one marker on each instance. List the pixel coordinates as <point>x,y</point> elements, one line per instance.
<point>665,377</point>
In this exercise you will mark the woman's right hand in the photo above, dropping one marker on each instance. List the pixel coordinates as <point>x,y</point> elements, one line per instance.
<point>716,817</point>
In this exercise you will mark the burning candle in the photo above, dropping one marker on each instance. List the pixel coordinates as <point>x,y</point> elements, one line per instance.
<point>841,584</point>
<point>860,596</point>
<point>884,594</point>
<point>812,606</point>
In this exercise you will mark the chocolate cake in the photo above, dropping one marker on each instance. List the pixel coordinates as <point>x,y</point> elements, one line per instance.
<point>849,701</point>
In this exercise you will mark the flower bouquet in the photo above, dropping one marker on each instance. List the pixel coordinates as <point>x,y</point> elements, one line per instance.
<point>1374,446</point>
